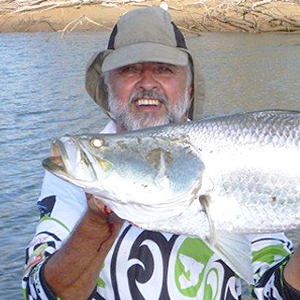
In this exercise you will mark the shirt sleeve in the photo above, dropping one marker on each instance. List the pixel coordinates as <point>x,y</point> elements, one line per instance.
<point>270,254</point>
<point>61,205</point>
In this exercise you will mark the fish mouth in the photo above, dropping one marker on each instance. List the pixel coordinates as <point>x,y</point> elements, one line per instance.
<point>60,156</point>
<point>56,166</point>
<point>69,161</point>
<point>54,162</point>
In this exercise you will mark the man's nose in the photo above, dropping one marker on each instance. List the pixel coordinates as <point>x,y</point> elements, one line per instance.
<point>147,80</point>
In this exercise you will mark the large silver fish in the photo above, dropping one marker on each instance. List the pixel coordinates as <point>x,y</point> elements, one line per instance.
<point>232,174</point>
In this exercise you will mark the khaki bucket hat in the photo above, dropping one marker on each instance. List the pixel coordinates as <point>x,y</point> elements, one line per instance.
<point>143,35</point>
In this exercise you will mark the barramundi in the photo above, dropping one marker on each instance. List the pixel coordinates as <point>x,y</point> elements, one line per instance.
<point>215,177</point>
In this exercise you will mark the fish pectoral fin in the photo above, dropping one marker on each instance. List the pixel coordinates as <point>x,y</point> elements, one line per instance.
<point>235,251</point>
<point>233,248</point>
<point>204,201</point>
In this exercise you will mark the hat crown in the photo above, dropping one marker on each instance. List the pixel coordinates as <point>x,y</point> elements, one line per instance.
<point>145,25</point>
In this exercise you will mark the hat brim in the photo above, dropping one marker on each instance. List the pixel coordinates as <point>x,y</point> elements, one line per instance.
<point>144,52</point>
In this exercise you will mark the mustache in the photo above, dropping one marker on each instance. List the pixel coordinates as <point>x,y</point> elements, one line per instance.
<point>149,94</point>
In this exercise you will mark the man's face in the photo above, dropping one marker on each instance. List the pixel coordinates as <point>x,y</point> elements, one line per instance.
<point>148,94</point>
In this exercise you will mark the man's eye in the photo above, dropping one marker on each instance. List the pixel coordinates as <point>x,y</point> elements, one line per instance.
<point>129,69</point>
<point>164,70</point>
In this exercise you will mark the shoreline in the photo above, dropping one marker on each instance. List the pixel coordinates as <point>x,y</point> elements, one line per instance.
<point>191,16</point>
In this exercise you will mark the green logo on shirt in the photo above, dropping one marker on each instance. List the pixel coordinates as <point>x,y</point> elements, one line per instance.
<point>191,261</point>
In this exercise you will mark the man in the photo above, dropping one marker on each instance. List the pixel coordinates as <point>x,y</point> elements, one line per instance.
<point>81,250</point>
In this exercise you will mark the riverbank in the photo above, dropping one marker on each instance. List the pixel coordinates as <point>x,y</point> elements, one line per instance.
<point>191,15</point>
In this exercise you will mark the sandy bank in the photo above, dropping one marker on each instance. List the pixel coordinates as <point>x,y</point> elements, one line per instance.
<point>194,16</point>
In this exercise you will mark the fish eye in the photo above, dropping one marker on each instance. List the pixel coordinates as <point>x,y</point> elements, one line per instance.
<point>96,142</point>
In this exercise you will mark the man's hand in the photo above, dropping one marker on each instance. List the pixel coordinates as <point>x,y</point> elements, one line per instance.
<point>97,206</point>
<point>72,271</point>
<point>102,214</point>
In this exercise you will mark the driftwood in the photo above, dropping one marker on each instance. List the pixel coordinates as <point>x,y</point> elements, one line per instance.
<point>79,21</point>
<point>30,6</point>
<point>260,16</point>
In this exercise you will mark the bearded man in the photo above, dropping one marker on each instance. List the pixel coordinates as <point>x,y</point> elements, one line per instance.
<point>81,250</point>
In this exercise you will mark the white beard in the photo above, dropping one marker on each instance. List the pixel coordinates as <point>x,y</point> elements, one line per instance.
<point>121,112</point>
